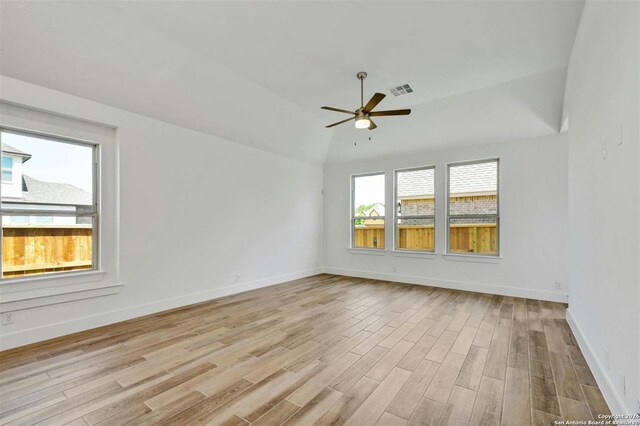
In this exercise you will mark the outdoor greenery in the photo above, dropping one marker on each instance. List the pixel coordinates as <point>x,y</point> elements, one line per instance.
<point>361,211</point>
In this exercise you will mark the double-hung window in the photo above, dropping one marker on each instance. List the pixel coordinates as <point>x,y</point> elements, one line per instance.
<point>415,209</point>
<point>367,211</point>
<point>50,219</point>
<point>473,218</point>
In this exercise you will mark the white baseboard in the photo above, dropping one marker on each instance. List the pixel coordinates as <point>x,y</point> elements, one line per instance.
<point>615,402</point>
<point>49,331</point>
<point>457,285</point>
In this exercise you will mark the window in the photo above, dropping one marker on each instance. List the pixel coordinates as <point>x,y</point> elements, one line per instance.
<point>415,209</point>
<point>7,169</point>
<point>367,211</point>
<point>472,210</point>
<point>49,223</point>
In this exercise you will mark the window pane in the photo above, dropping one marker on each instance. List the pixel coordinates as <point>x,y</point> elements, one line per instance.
<point>416,234</point>
<point>368,207</point>
<point>368,195</point>
<point>31,248</point>
<point>45,220</point>
<point>7,169</point>
<point>368,233</point>
<point>18,220</point>
<point>473,189</point>
<point>415,192</point>
<point>473,235</point>
<point>52,174</point>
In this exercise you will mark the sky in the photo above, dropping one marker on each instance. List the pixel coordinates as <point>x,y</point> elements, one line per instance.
<point>54,161</point>
<point>369,190</point>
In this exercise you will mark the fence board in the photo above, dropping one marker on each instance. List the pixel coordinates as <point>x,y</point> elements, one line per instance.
<point>467,238</point>
<point>36,249</point>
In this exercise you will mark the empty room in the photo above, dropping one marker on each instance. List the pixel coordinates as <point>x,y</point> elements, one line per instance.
<point>320,212</point>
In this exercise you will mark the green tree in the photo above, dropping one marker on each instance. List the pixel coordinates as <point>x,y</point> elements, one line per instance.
<point>361,210</point>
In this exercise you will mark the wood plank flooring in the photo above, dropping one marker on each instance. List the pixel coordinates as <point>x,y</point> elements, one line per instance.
<point>324,350</point>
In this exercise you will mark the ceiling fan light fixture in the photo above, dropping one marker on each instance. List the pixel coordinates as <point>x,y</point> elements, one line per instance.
<point>362,123</point>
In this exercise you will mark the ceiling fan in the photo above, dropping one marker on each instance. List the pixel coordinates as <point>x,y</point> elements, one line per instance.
<point>363,114</point>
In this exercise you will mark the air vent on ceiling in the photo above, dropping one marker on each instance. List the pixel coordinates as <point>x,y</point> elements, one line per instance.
<point>401,90</point>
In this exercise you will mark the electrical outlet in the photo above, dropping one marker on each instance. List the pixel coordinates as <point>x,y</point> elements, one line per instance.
<point>623,382</point>
<point>7,318</point>
<point>558,285</point>
<point>394,269</point>
<point>606,358</point>
<point>237,278</point>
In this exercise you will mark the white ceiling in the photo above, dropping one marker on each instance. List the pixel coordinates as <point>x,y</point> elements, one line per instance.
<point>257,72</point>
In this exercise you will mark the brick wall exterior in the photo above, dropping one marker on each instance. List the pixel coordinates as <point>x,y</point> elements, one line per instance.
<point>483,204</point>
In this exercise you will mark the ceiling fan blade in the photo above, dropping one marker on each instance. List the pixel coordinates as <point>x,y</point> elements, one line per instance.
<point>340,122</point>
<point>372,125</point>
<point>337,110</point>
<point>375,100</point>
<point>390,112</point>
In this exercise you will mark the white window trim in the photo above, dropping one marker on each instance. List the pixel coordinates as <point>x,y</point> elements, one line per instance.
<point>464,256</point>
<point>353,217</point>
<point>370,251</point>
<point>396,249</point>
<point>94,213</point>
<point>473,258</point>
<point>65,287</point>
<point>418,254</point>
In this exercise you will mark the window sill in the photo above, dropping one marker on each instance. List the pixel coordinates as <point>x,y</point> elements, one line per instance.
<point>477,258</point>
<point>6,285</point>
<point>415,254</point>
<point>375,252</point>
<point>28,293</point>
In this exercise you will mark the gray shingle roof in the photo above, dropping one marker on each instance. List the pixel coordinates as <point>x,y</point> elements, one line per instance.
<point>36,191</point>
<point>378,209</point>
<point>11,150</point>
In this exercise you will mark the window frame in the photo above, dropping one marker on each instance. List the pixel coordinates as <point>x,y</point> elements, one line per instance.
<point>94,212</point>
<point>352,210</point>
<point>395,210</point>
<point>448,215</point>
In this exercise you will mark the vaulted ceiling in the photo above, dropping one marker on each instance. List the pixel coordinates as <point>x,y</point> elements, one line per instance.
<point>257,72</point>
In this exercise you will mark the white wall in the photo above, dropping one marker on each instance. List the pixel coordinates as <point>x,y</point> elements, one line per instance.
<point>533,208</point>
<point>194,211</point>
<point>604,245</point>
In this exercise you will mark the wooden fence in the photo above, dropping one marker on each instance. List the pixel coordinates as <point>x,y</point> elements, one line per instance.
<point>467,238</point>
<point>474,238</point>
<point>38,249</point>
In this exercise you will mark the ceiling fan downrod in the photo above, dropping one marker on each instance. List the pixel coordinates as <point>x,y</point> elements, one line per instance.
<point>361,76</point>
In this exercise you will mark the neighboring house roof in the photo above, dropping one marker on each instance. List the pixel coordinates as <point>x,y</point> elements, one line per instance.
<point>468,179</point>
<point>474,178</point>
<point>376,210</point>
<point>11,150</point>
<point>38,192</point>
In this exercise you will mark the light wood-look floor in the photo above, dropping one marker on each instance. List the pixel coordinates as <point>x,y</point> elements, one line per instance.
<point>321,350</point>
